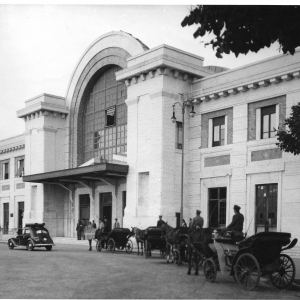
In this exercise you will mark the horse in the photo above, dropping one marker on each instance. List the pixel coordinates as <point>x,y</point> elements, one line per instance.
<point>140,238</point>
<point>171,236</point>
<point>197,241</point>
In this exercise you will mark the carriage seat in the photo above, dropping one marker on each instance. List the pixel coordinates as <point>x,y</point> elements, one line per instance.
<point>230,237</point>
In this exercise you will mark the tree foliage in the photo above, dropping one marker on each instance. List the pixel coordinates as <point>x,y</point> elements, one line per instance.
<point>289,140</point>
<point>243,28</point>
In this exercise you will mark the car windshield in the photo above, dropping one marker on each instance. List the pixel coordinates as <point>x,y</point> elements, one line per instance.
<point>38,231</point>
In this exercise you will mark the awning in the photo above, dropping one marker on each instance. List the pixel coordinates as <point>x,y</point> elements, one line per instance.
<point>95,172</point>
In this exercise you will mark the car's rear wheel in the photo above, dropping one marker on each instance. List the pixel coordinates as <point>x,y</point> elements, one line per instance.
<point>11,245</point>
<point>48,248</point>
<point>30,246</point>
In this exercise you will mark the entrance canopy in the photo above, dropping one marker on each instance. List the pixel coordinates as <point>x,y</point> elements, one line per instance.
<point>95,172</point>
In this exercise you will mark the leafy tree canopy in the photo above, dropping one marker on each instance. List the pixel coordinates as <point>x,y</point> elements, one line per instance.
<point>289,140</point>
<point>243,28</point>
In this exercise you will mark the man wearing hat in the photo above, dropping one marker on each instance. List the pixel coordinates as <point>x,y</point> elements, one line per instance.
<point>160,222</point>
<point>237,222</point>
<point>117,224</point>
<point>198,221</point>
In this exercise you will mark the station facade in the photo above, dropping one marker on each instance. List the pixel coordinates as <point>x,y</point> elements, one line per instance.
<point>109,148</point>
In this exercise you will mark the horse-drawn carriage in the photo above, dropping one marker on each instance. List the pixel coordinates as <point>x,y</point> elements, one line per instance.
<point>154,241</point>
<point>117,238</point>
<point>249,259</point>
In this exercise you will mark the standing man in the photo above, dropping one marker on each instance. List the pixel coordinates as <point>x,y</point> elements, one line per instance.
<point>101,225</point>
<point>198,221</point>
<point>191,223</point>
<point>94,224</point>
<point>160,222</point>
<point>117,224</point>
<point>79,229</point>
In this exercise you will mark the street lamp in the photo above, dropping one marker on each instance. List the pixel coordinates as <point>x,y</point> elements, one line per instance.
<point>173,119</point>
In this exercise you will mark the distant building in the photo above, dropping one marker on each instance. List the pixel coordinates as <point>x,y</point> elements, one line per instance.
<point>109,147</point>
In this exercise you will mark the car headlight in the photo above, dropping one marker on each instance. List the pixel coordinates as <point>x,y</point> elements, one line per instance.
<point>37,239</point>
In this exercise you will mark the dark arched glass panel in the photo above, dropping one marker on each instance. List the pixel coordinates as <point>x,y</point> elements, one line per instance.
<point>105,118</point>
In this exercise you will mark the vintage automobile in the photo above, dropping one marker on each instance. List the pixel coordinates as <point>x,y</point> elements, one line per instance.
<point>33,235</point>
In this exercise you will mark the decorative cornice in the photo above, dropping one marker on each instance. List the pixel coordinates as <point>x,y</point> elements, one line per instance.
<point>161,71</point>
<point>43,109</point>
<point>10,149</point>
<point>43,113</point>
<point>199,96</point>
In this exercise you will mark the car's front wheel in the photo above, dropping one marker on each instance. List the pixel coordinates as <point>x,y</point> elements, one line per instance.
<point>30,246</point>
<point>48,248</point>
<point>11,245</point>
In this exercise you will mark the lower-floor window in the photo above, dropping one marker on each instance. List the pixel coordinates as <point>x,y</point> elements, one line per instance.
<point>217,207</point>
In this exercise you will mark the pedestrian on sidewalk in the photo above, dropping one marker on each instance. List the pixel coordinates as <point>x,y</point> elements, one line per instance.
<point>117,224</point>
<point>90,234</point>
<point>94,224</point>
<point>79,229</point>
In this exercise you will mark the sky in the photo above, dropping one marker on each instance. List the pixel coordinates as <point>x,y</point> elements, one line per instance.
<point>40,46</point>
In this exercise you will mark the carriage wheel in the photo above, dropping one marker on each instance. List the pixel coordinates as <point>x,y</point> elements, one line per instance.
<point>111,245</point>
<point>98,246</point>
<point>284,278</point>
<point>129,246</point>
<point>247,271</point>
<point>210,270</point>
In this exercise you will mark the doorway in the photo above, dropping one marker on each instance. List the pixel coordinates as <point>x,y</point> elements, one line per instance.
<point>5,217</point>
<point>20,214</point>
<point>84,208</point>
<point>217,207</point>
<point>266,207</point>
<point>106,207</point>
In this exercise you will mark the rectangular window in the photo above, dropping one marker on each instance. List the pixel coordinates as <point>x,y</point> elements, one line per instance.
<point>268,121</point>
<point>4,166</point>
<point>19,166</point>
<point>218,131</point>
<point>266,207</point>
<point>110,116</point>
<point>178,144</point>
<point>217,207</point>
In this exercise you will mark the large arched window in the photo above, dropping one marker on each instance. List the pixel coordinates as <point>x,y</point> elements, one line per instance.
<point>105,118</point>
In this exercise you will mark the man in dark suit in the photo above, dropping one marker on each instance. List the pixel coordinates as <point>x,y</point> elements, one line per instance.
<point>79,229</point>
<point>160,222</point>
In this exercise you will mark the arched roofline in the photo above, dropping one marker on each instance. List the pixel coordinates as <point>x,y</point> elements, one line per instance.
<point>113,48</point>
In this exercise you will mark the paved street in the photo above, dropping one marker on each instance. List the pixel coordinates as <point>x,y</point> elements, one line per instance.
<point>71,271</point>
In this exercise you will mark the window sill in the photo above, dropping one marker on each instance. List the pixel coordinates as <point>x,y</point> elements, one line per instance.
<point>5,180</point>
<point>216,149</point>
<point>262,142</point>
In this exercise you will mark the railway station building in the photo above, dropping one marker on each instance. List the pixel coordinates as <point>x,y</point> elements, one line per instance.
<point>108,147</point>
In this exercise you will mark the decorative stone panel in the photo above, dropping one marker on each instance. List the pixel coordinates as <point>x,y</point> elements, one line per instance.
<point>20,185</point>
<point>281,100</point>
<point>6,187</point>
<point>204,123</point>
<point>266,154</point>
<point>217,161</point>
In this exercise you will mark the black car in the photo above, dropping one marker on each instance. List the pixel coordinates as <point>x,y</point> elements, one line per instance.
<point>33,235</point>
